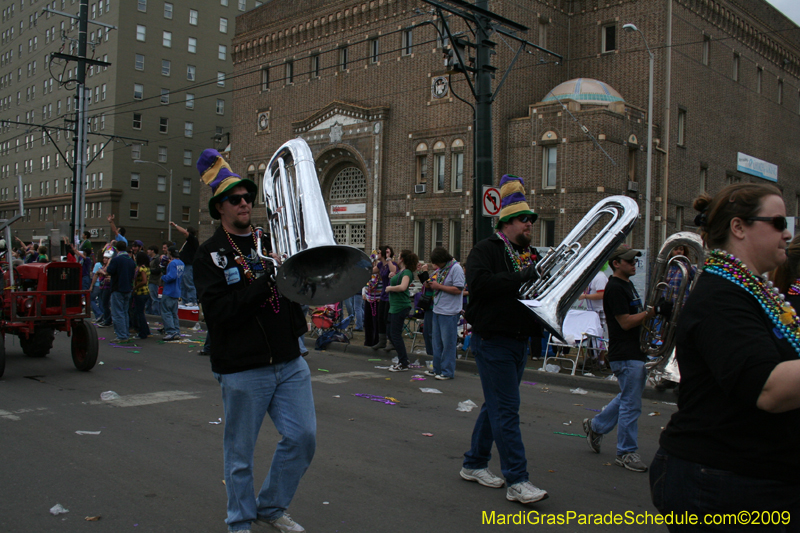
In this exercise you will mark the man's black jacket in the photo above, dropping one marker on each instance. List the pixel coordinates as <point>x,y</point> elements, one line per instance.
<point>236,320</point>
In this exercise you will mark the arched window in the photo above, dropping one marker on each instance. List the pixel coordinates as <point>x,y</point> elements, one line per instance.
<point>457,165</point>
<point>348,184</point>
<point>421,159</point>
<point>438,166</point>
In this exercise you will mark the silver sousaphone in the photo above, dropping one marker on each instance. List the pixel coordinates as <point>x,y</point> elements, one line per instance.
<point>315,270</point>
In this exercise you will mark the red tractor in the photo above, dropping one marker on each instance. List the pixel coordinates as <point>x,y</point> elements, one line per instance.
<point>40,299</point>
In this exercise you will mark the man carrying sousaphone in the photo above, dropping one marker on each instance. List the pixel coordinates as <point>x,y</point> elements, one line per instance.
<point>501,325</point>
<point>256,357</point>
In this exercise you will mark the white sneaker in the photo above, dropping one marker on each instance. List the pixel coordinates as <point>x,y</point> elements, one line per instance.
<point>395,360</point>
<point>482,476</point>
<point>525,492</point>
<point>284,524</point>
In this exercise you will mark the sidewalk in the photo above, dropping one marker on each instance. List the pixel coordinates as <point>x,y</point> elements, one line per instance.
<point>600,383</point>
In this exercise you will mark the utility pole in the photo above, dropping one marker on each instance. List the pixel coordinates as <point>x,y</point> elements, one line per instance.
<point>484,24</point>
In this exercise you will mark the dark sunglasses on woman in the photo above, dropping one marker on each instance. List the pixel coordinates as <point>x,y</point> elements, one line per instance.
<point>779,223</point>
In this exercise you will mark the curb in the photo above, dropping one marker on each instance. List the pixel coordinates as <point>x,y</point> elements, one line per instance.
<point>532,374</point>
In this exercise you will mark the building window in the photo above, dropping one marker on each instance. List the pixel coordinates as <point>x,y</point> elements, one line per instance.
<point>137,121</point>
<point>138,91</point>
<point>191,72</point>
<point>166,39</point>
<point>549,160</point>
<point>422,162</point>
<point>609,38</point>
<point>703,179</point>
<point>437,234</point>
<point>161,210</point>
<point>135,177</point>
<point>220,106</point>
<point>315,66</point>
<point>457,166</point>
<point>681,127</point>
<point>163,125</point>
<point>264,79</point>
<point>408,42</point>
<point>221,79</point>
<point>632,151</point>
<point>374,50</point>
<point>543,24</point>
<point>438,167</point>
<point>223,25</point>
<point>189,101</point>
<point>780,92</point>
<point>165,67</point>
<point>141,32</point>
<point>222,52</point>
<point>706,55</point>
<point>455,238</point>
<point>187,158</point>
<point>168,10</point>
<point>193,17</point>
<point>188,129</point>
<point>419,238</point>
<point>187,186</point>
<point>186,213</point>
<point>289,75</point>
<point>138,62</point>
<point>134,211</point>
<point>142,6</point>
<point>164,96</point>
<point>759,79</point>
<point>161,183</point>
<point>348,184</point>
<point>242,5</point>
<point>162,154</point>
<point>735,73</point>
<point>548,236</point>
<point>192,45</point>
<point>343,58</point>
<point>136,153</point>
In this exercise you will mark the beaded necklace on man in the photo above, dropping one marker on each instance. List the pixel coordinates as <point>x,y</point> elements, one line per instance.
<point>249,276</point>
<point>772,301</point>
<point>518,261</point>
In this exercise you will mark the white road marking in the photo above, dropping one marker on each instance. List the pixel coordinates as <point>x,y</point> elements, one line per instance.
<point>12,415</point>
<point>344,377</point>
<point>135,400</point>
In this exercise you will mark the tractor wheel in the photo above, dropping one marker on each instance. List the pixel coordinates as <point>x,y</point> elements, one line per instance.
<point>38,344</point>
<point>84,346</point>
<point>2,355</point>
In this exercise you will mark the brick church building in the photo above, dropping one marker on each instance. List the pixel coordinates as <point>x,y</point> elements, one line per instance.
<point>364,84</point>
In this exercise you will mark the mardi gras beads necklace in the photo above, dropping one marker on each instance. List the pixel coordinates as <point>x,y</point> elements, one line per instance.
<point>772,301</point>
<point>794,290</point>
<point>519,261</point>
<point>273,300</point>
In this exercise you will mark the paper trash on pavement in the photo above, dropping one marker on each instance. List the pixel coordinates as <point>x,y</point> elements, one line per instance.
<point>432,391</point>
<point>87,432</point>
<point>467,406</point>
<point>58,509</point>
<point>578,391</point>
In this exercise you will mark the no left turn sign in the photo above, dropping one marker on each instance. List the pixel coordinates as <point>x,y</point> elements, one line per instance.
<point>491,201</point>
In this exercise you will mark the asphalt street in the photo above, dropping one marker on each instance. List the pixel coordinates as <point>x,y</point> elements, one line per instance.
<point>156,464</point>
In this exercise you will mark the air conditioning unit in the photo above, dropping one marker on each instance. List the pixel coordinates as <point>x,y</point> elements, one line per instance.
<point>419,188</point>
<point>633,186</point>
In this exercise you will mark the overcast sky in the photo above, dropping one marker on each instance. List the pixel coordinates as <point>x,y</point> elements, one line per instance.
<point>790,8</point>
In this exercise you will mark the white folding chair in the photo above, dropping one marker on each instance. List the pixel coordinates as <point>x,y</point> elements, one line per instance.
<point>586,331</point>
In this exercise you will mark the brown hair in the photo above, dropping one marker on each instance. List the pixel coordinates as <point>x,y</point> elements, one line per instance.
<point>787,273</point>
<point>740,200</point>
<point>409,259</point>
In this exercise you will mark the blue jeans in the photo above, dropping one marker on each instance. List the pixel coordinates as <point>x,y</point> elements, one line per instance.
<point>120,304</point>
<point>284,391</point>
<point>94,298</point>
<point>626,406</point>
<point>445,334</point>
<point>394,330</point>
<point>105,302</point>
<point>155,304</point>
<point>501,362</point>
<point>681,486</point>
<point>86,283</point>
<point>188,292</point>
<point>169,315</point>
<point>354,307</point>
<point>427,331</point>
<point>139,302</point>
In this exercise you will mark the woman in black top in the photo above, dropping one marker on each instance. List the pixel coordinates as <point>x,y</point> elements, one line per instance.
<point>733,446</point>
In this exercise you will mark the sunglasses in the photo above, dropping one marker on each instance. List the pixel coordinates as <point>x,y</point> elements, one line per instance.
<point>525,219</point>
<point>236,199</point>
<point>779,223</point>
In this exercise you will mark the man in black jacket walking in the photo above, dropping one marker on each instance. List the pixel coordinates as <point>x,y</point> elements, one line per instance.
<point>256,358</point>
<point>501,326</point>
